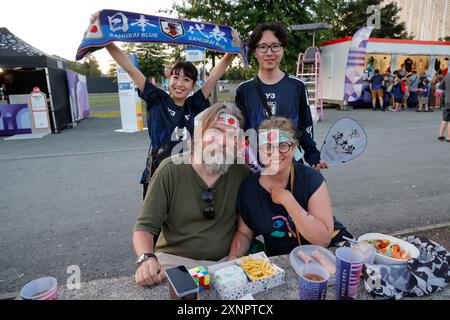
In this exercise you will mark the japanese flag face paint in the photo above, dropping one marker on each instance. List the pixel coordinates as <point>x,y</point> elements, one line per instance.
<point>228,120</point>
<point>274,136</point>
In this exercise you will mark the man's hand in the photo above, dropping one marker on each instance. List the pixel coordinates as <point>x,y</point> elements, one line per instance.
<point>150,273</point>
<point>321,165</point>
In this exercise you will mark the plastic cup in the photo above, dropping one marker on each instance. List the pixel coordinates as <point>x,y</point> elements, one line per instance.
<point>313,282</point>
<point>45,288</point>
<point>349,263</point>
<point>367,250</point>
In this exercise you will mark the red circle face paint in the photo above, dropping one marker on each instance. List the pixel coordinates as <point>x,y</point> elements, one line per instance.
<point>271,136</point>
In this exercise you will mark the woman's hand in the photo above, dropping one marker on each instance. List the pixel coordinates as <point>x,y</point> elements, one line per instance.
<point>281,196</point>
<point>95,16</point>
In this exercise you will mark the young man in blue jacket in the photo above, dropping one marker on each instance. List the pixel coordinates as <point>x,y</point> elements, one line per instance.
<point>274,92</point>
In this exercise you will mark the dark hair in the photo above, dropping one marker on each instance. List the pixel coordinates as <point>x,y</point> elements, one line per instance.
<point>414,71</point>
<point>188,68</point>
<point>277,28</point>
<point>426,81</point>
<point>377,71</point>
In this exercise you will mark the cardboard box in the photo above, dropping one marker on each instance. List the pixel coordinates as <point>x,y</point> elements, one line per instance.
<point>252,287</point>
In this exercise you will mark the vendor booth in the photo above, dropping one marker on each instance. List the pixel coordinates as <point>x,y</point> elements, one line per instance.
<point>386,55</point>
<point>23,70</point>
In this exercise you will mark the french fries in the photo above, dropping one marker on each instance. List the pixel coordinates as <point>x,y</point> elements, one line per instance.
<point>257,269</point>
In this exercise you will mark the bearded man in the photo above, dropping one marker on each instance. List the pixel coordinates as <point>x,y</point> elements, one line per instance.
<point>192,206</point>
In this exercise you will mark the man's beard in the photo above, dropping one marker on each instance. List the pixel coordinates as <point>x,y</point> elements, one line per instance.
<point>217,164</point>
<point>216,168</point>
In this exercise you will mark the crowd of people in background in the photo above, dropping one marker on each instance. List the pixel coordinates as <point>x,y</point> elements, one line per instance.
<point>405,89</point>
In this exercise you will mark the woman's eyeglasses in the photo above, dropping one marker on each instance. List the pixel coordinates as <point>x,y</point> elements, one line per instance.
<point>207,195</point>
<point>283,147</point>
<point>262,48</point>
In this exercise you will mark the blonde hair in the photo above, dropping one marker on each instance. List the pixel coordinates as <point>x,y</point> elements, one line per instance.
<point>280,123</point>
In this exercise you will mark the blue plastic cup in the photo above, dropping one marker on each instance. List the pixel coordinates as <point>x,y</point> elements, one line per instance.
<point>349,263</point>
<point>313,282</point>
<point>45,288</point>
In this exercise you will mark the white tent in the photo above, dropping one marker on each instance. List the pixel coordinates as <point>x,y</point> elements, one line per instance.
<point>388,53</point>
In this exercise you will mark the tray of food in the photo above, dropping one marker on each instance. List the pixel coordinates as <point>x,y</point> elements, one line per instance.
<point>389,249</point>
<point>302,255</point>
<point>247,275</point>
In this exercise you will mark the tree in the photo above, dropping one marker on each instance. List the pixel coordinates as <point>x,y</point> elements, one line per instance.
<point>346,17</point>
<point>89,67</point>
<point>239,73</point>
<point>112,71</point>
<point>151,58</point>
<point>245,15</point>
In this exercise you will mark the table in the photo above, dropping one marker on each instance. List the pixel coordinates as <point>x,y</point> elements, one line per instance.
<point>124,288</point>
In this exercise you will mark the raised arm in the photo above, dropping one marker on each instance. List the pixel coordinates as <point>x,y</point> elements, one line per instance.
<point>122,60</point>
<point>216,73</point>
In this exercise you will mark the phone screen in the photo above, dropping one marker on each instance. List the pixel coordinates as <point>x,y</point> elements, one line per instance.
<point>181,279</point>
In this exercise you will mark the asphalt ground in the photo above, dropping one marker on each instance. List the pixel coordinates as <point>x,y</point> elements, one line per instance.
<point>72,198</point>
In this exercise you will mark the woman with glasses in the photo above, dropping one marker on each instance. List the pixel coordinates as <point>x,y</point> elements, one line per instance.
<point>273,92</point>
<point>287,203</point>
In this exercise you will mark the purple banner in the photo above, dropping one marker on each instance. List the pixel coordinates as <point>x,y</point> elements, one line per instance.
<point>78,95</point>
<point>355,64</point>
<point>14,119</point>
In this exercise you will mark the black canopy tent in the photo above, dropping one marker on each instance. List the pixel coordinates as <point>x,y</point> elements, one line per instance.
<point>28,67</point>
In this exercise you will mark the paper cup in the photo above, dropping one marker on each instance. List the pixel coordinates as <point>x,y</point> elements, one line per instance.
<point>45,288</point>
<point>313,282</point>
<point>349,263</point>
<point>367,250</point>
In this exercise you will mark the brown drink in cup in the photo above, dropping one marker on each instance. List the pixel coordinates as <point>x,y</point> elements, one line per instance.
<point>313,277</point>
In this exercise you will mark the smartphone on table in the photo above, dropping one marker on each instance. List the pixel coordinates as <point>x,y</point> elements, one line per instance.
<point>181,281</point>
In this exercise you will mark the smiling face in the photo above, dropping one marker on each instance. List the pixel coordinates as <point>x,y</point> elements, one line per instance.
<point>276,144</point>
<point>218,148</point>
<point>180,85</point>
<point>276,157</point>
<point>268,60</point>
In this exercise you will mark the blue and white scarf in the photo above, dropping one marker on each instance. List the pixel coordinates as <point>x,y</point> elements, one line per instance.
<point>115,25</point>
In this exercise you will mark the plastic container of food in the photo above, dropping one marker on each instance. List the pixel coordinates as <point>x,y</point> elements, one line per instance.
<point>297,263</point>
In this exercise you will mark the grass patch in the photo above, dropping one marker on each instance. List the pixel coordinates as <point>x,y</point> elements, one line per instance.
<point>108,114</point>
<point>103,99</point>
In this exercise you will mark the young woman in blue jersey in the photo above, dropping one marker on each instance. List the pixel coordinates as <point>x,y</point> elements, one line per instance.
<point>169,115</point>
<point>290,205</point>
<point>275,93</point>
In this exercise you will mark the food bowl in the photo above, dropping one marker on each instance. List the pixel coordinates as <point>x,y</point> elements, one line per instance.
<point>380,258</point>
<point>298,263</point>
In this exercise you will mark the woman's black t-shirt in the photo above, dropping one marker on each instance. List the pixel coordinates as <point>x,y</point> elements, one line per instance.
<point>271,220</point>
